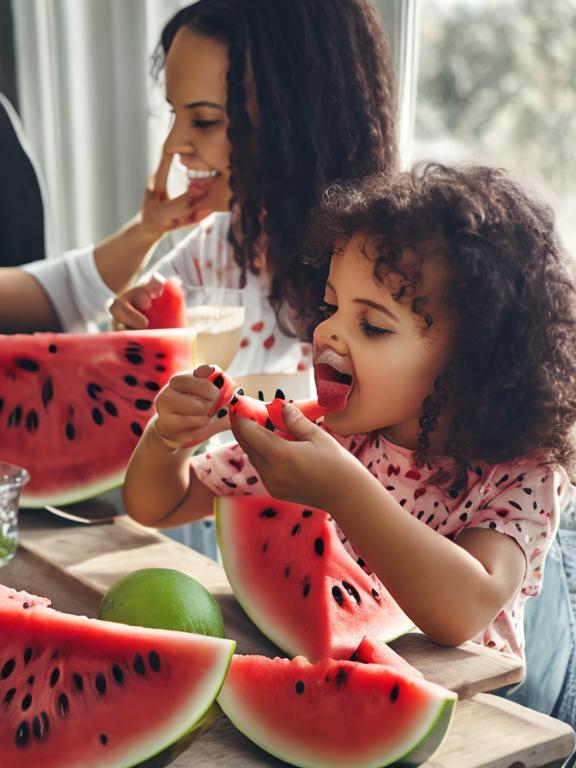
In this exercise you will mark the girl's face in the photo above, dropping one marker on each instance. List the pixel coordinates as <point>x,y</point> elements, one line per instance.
<point>196,68</point>
<point>376,350</point>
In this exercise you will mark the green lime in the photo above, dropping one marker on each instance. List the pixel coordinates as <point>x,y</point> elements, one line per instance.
<point>162,598</point>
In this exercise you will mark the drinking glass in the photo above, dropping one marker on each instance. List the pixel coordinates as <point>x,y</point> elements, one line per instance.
<point>12,480</point>
<point>217,315</point>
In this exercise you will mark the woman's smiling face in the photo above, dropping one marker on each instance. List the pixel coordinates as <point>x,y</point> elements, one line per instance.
<point>196,69</point>
<point>381,343</point>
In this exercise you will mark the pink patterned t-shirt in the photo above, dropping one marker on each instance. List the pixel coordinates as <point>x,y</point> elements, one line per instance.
<point>522,499</point>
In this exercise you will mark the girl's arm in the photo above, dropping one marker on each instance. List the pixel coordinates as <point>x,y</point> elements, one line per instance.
<point>451,591</point>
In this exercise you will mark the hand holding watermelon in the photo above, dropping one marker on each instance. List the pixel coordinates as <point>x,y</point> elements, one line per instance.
<point>158,303</point>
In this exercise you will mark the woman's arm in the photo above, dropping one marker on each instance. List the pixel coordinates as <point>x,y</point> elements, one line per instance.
<point>24,304</point>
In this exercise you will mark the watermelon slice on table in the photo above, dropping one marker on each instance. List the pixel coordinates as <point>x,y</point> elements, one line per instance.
<point>294,578</point>
<point>168,310</point>
<point>83,692</point>
<point>336,714</point>
<point>72,406</point>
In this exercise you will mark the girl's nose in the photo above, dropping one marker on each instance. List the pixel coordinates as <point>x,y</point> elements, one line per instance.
<point>328,334</point>
<point>178,142</point>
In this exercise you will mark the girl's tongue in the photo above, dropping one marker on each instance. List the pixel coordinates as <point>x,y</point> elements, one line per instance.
<point>332,386</point>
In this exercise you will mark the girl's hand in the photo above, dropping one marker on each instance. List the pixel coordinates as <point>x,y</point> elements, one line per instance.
<point>184,407</point>
<point>125,307</point>
<point>311,470</point>
<point>160,213</point>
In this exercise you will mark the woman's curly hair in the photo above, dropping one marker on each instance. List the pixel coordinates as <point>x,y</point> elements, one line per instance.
<point>322,78</point>
<point>512,378</point>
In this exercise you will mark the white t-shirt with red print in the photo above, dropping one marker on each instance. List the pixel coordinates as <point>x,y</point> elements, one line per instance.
<point>205,257</point>
<point>522,499</point>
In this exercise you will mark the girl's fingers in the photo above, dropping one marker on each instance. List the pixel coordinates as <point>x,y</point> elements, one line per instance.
<point>127,315</point>
<point>161,176</point>
<point>188,384</point>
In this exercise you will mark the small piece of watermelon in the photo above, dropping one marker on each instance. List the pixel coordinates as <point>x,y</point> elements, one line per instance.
<point>72,406</point>
<point>168,310</point>
<point>83,692</point>
<point>372,651</point>
<point>336,714</point>
<point>294,578</point>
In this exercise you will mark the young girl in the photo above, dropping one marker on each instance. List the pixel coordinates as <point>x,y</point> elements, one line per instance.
<point>271,102</point>
<point>448,356</point>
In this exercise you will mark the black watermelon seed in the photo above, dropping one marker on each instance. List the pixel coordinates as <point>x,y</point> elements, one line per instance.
<point>319,546</point>
<point>131,380</point>
<point>218,382</point>
<point>15,416</point>
<point>70,431</point>
<point>307,513</point>
<point>260,395</point>
<point>93,390</point>
<point>280,395</point>
<point>97,416</point>
<point>160,355</point>
<point>78,681</point>
<point>296,529</point>
<point>341,677</point>
<point>306,586</point>
<point>63,706</point>
<point>26,702</point>
<point>47,391</point>
<point>1,405</point>
<point>376,595</point>
<point>287,571</point>
<point>153,386</point>
<point>221,413</point>
<point>160,368</point>
<point>268,512</point>
<point>355,656</point>
<point>265,547</point>
<point>299,687</point>
<point>7,669</point>
<point>134,358</point>
<point>25,605</point>
<point>40,726</point>
<point>251,480</point>
<point>139,665</point>
<point>117,674</point>
<point>352,591</point>
<point>30,680</point>
<point>100,683</point>
<point>143,405</point>
<point>269,425</point>
<point>22,734</point>
<point>234,400</point>
<point>32,421</point>
<point>154,661</point>
<point>52,348</point>
<point>103,739</point>
<point>136,428</point>
<point>337,595</point>
<point>111,408</point>
<point>54,677</point>
<point>394,692</point>
<point>9,695</point>
<point>27,364</point>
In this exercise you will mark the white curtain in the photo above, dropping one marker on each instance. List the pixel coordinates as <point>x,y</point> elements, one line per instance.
<point>94,121</point>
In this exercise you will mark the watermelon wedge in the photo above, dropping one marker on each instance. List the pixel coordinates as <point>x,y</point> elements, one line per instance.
<point>168,310</point>
<point>83,692</point>
<point>294,578</point>
<point>336,714</point>
<point>72,406</point>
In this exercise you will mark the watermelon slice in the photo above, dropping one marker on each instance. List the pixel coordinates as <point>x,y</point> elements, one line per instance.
<point>83,692</point>
<point>372,651</point>
<point>72,406</point>
<point>168,310</point>
<point>336,714</point>
<point>294,578</point>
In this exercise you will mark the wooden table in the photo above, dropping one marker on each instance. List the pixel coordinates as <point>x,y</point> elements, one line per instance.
<point>75,564</point>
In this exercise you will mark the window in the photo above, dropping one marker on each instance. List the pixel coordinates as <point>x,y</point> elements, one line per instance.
<point>497,86</point>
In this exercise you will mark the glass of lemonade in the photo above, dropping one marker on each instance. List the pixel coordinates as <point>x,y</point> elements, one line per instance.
<point>217,315</point>
<point>12,480</point>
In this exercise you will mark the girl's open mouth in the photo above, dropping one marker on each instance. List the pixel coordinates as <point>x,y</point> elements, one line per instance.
<point>333,386</point>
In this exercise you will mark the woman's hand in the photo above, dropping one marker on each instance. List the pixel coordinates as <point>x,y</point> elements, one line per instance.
<point>313,469</point>
<point>184,409</point>
<point>160,213</point>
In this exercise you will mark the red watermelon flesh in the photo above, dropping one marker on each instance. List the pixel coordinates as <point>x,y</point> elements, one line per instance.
<point>373,651</point>
<point>72,406</point>
<point>168,310</point>
<point>336,714</point>
<point>294,578</point>
<point>83,692</point>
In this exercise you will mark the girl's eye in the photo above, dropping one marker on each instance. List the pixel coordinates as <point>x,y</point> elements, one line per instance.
<point>326,310</point>
<point>203,124</point>
<point>372,330</point>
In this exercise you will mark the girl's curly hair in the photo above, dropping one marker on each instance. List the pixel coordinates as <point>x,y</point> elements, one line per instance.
<point>512,377</point>
<point>323,81</point>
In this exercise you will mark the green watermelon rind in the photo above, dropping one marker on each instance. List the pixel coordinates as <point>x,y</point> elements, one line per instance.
<point>414,755</point>
<point>55,498</point>
<point>278,637</point>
